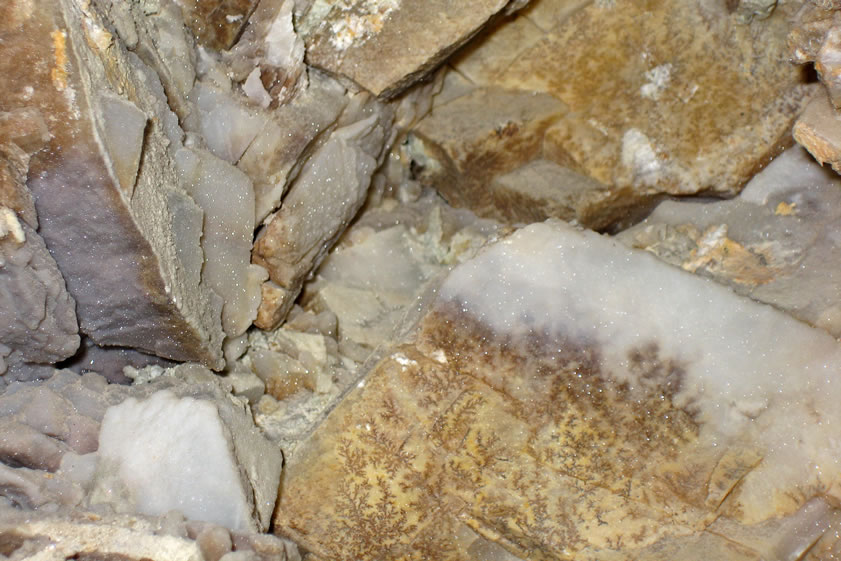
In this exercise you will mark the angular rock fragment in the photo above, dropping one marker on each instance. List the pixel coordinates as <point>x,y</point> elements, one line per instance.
<point>123,231</point>
<point>227,198</point>
<point>543,189</point>
<point>660,97</point>
<point>287,137</point>
<point>462,145</point>
<point>326,195</point>
<point>386,45</point>
<point>269,57</point>
<point>566,397</point>
<point>818,130</point>
<point>777,242</point>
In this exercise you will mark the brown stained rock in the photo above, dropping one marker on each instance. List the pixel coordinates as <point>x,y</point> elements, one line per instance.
<point>463,145</point>
<point>500,43</point>
<point>828,64</point>
<point>488,431</point>
<point>275,304</point>
<point>543,189</point>
<point>662,98</point>
<point>217,23</point>
<point>818,130</point>
<point>386,45</point>
<point>327,193</point>
<point>124,237</point>
<point>665,97</point>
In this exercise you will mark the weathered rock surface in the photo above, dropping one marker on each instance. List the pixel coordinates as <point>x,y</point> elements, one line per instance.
<point>123,232</point>
<point>777,242</point>
<point>660,97</point>
<point>566,397</point>
<point>37,316</point>
<point>818,130</point>
<point>387,45</point>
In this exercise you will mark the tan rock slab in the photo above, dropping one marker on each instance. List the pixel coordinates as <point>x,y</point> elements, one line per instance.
<point>567,398</point>
<point>386,45</point>
<point>674,110</point>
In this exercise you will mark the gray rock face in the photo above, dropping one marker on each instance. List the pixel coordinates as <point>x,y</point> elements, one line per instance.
<point>90,436</point>
<point>327,193</point>
<point>37,316</point>
<point>110,206</point>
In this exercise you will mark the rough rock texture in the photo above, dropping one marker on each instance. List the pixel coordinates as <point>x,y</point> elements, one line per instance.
<point>268,59</point>
<point>777,242</point>
<point>276,154</point>
<point>180,442</point>
<point>661,97</point>
<point>37,316</point>
<point>566,397</point>
<point>123,232</point>
<point>327,193</point>
<point>542,189</point>
<point>815,38</point>
<point>386,45</point>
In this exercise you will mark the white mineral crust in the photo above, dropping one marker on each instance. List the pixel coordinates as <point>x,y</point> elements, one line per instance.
<point>168,453</point>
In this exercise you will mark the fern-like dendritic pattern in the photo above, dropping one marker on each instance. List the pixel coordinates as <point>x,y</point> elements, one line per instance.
<point>546,440</point>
